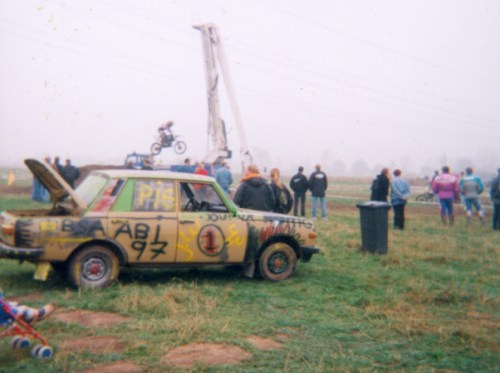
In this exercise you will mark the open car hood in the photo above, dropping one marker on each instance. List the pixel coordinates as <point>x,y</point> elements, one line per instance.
<point>53,182</point>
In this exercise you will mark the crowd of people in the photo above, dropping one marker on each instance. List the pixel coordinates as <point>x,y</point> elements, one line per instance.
<point>466,188</point>
<point>257,193</point>
<point>448,189</point>
<point>254,192</point>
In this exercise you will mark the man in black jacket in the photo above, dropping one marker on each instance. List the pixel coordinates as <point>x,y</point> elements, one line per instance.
<point>70,173</point>
<point>318,183</point>
<point>495,200</point>
<point>254,191</point>
<point>299,185</point>
<point>380,186</point>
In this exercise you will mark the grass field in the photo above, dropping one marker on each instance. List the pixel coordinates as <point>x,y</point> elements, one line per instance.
<point>431,304</point>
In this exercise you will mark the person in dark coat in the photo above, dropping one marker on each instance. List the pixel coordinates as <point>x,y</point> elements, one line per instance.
<point>300,185</point>
<point>318,184</point>
<point>57,165</point>
<point>254,192</point>
<point>283,197</point>
<point>495,200</point>
<point>70,173</point>
<point>380,186</point>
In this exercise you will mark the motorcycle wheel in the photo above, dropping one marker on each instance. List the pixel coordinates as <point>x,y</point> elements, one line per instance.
<point>422,198</point>
<point>180,147</point>
<point>156,148</point>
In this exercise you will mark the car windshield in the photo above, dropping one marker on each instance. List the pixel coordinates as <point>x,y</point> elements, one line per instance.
<point>90,188</point>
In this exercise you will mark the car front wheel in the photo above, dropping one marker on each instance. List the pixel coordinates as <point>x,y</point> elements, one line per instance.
<point>94,267</point>
<point>277,262</point>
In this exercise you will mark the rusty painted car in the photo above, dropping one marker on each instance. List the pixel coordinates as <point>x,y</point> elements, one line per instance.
<point>139,218</point>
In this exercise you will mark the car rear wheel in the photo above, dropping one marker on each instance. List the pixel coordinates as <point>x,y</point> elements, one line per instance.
<point>94,267</point>
<point>277,262</point>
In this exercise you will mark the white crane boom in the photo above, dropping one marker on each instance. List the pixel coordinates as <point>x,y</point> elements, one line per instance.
<point>213,53</point>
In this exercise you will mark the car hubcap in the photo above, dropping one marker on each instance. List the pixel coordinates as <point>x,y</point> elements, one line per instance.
<point>278,263</point>
<point>94,269</point>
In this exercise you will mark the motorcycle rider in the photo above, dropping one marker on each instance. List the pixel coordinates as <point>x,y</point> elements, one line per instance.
<point>165,132</point>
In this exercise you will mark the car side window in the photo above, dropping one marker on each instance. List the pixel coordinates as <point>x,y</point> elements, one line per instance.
<point>108,196</point>
<point>153,195</point>
<point>200,197</point>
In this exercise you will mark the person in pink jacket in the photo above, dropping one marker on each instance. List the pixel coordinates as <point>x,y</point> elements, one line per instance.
<point>446,187</point>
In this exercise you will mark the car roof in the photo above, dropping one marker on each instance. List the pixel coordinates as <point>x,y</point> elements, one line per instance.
<point>154,174</point>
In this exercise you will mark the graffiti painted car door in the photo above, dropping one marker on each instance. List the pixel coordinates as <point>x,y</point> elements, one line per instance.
<point>143,221</point>
<point>208,231</point>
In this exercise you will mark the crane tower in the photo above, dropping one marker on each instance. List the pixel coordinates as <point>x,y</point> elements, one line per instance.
<point>215,61</point>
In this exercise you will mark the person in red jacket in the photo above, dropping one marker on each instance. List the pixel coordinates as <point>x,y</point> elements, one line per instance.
<point>446,187</point>
<point>200,169</point>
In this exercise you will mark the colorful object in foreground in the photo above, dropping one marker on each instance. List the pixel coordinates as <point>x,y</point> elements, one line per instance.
<point>17,321</point>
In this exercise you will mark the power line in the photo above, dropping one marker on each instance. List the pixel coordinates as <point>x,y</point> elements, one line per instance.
<point>442,112</point>
<point>373,45</point>
<point>116,58</point>
<point>105,55</point>
<point>300,66</point>
<point>355,118</point>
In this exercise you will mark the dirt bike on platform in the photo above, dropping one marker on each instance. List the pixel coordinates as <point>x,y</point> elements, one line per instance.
<point>167,142</point>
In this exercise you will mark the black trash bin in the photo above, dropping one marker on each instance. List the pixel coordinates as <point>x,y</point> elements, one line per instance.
<point>374,216</point>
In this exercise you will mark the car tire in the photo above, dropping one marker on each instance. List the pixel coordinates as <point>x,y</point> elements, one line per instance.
<point>277,262</point>
<point>94,267</point>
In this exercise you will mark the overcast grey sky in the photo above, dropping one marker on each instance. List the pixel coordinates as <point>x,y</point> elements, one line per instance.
<point>398,83</point>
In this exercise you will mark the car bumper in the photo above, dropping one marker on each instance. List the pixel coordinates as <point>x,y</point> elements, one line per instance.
<point>307,252</point>
<point>14,252</point>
